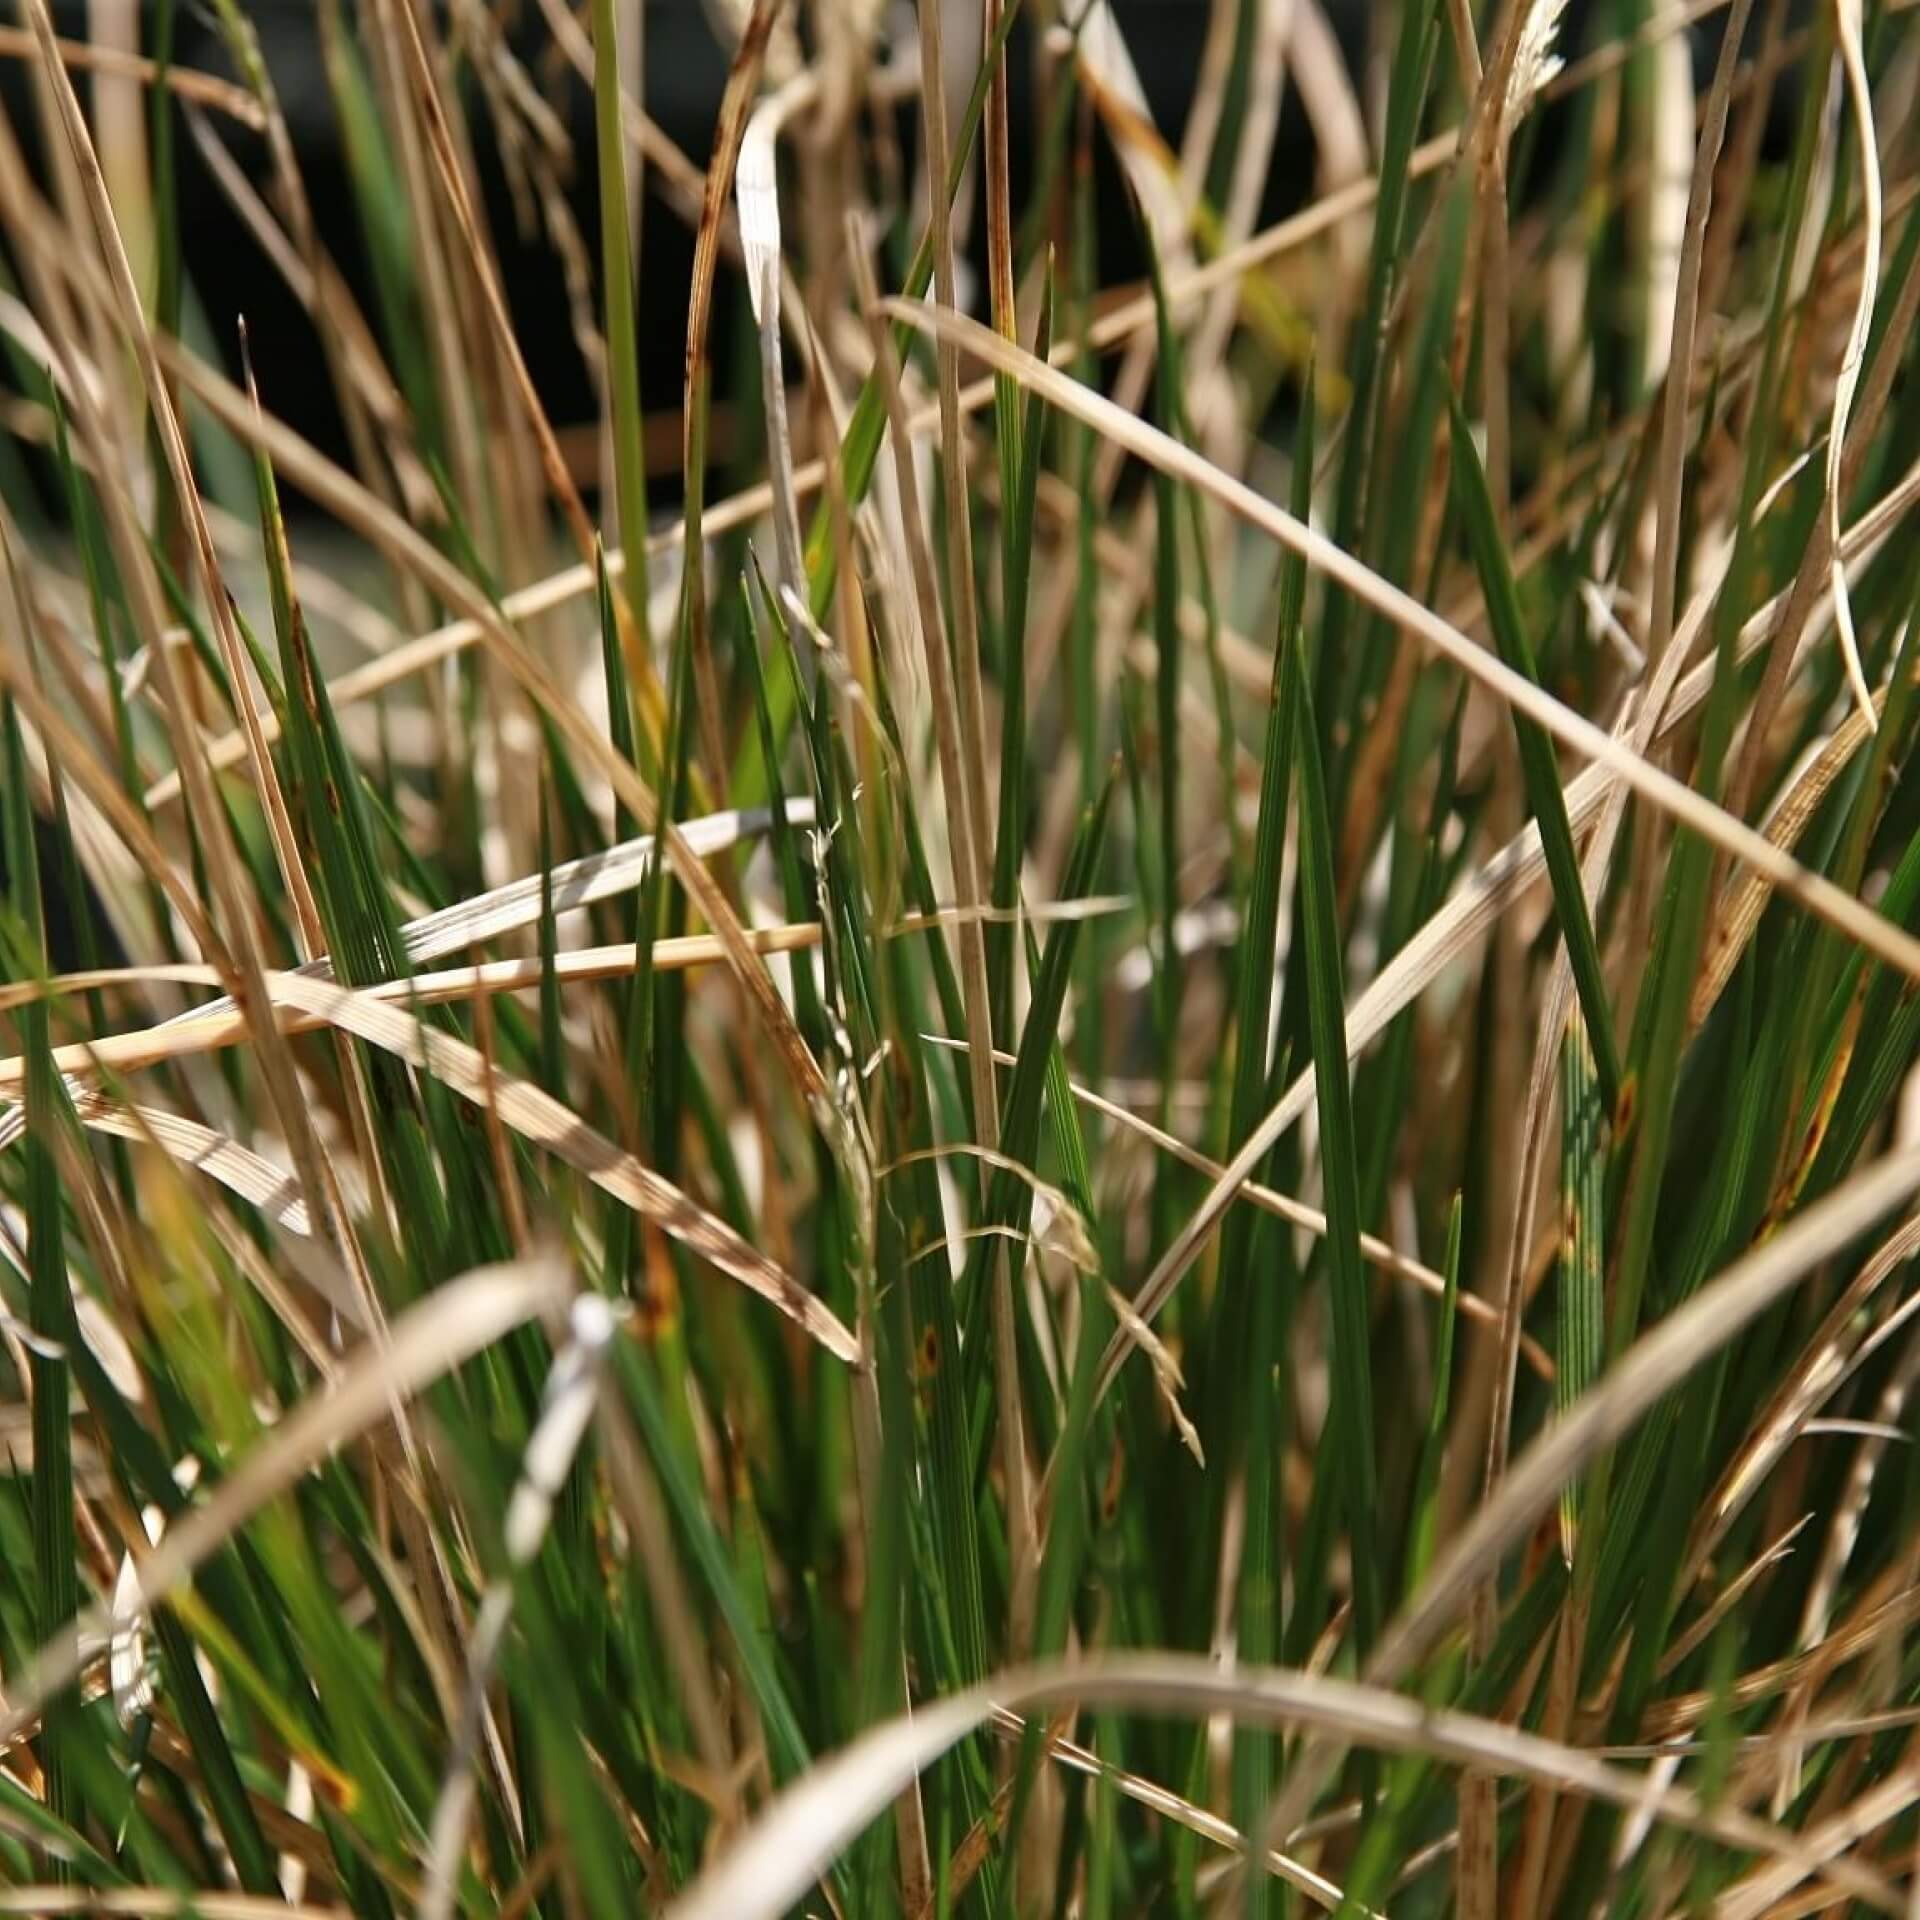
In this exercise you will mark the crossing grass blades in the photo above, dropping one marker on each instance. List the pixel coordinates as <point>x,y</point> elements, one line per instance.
<point>1099,1101</point>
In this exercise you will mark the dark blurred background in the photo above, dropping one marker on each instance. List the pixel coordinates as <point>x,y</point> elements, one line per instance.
<point>685,70</point>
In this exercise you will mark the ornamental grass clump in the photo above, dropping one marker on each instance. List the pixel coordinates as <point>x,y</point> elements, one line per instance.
<point>1085,1087</point>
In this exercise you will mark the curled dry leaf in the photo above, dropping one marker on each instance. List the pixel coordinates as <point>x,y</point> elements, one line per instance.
<point>538,1117</point>
<point>1166,1369</point>
<point>1848,24</point>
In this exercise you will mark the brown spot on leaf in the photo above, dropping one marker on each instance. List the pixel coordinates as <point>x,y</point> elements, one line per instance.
<point>1110,1488</point>
<point>1625,1108</point>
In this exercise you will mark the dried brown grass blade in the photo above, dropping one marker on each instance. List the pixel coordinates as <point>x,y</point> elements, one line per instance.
<point>779,1857</point>
<point>1657,1362</point>
<point>1680,357</point>
<point>1602,1417</point>
<point>200,1031</point>
<point>743,83</point>
<point>155,1903</point>
<point>1614,761</point>
<point>1177,1808</point>
<point>962,826</point>
<point>201,1149</point>
<point>184,83</point>
<point>757,193</point>
<point>480,262</point>
<point>1848,25</point>
<point>538,1117</point>
<point>1671,796</point>
<point>1380,1253</point>
<point>529,1111</point>
<point>1746,896</point>
<point>361,510</point>
<point>122,302</point>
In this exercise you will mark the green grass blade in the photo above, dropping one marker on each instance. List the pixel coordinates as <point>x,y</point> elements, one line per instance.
<point>1407,88</point>
<point>1166,691</point>
<point>1423,1531</point>
<point>1538,764</point>
<point>1250,1406</point>
<point>1583,1187</point>
<point>866,427</point>
<point>787,1745</point>
<point>1018,522</point>
<point>1350,1437</point>
<point>1260,924</point>
<point>56,1591</point>
<point>1009,1197</point>
<point>616,280</point>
